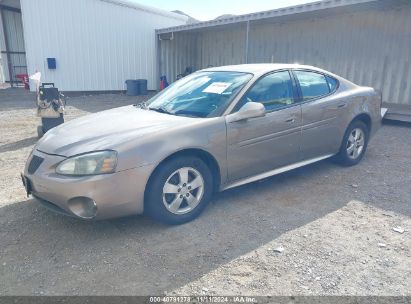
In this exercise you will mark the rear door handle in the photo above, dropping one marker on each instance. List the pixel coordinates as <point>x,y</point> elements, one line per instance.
<point>342,105</point>
<point>290,120</point>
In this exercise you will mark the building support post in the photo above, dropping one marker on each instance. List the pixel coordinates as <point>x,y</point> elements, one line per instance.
<point>158,61</point>
<point>246,40</point>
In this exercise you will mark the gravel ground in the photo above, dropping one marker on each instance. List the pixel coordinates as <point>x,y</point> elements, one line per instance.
<point>341,253</point>
<point>335,226</point>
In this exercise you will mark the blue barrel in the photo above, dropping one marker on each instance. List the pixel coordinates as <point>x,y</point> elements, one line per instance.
<point>132,87</point>
<point>142,86</point>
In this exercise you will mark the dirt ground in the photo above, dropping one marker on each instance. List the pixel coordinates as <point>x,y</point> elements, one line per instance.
<point>333,224</point>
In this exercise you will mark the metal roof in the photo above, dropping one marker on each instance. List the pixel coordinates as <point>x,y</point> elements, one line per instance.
<point>314,7</point>
<point>125,3</point>
<point>149,9</point>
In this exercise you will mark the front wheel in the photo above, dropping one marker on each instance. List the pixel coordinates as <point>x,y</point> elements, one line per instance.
<point>179,190</point>
<point>354,144</point>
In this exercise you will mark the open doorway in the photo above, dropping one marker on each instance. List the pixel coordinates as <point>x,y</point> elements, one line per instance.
<point>13,66</point>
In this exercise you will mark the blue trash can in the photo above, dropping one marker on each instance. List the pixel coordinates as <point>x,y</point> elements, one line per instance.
<point>132,87</point>
<point>142,86</point>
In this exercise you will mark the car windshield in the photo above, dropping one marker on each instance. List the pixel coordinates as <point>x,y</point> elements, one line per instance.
<point>202,94</point>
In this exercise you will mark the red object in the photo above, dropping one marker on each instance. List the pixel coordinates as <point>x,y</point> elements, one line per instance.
<point>24,78</point>
<point>163,82</point>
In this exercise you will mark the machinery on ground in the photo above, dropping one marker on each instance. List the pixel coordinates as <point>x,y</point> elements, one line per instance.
<point>50,105</point>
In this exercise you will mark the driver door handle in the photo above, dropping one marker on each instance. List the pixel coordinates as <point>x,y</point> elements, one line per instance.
<point>290,120</point>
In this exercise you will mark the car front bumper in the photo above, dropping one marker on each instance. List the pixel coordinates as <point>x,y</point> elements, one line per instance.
<point>104,196</point>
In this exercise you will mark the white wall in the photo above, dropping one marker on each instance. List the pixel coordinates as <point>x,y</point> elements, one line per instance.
<point>97,44</point>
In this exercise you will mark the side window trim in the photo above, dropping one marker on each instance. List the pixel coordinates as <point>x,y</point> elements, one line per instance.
<point>296,84</point>
<point>294,87</point>
<point>300,95</point>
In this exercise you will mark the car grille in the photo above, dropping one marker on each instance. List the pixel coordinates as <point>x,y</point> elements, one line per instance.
<point>34,164</point>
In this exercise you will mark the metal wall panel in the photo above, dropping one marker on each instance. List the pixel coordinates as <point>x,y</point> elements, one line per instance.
<point>177,54</point>
<point>371,47</point>
<point>201,50</point>
<point>97,44</point>
<point>222,47</point>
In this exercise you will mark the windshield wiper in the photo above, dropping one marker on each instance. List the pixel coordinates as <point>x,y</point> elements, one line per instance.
<point>142,105</point>
<point>161,110</point>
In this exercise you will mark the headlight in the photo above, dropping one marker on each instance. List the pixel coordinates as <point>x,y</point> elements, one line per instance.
<point>94,163</point>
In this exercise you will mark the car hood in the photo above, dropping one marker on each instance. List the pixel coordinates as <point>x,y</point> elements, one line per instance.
<point>106,130</point>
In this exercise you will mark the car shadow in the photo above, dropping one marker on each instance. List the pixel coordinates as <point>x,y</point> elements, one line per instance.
<point>13,146</point>
<point>135,255</point>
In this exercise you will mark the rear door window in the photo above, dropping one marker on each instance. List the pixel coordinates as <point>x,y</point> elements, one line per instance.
<point>312,84</point>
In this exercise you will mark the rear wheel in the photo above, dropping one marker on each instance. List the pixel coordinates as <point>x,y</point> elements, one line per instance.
<point>179,190</point>
<point>354,144</point>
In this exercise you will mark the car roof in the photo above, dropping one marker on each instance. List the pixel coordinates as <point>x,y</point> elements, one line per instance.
<point>261,68</point>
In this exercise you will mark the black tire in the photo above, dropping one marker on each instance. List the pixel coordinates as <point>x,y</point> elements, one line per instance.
<point>155,206</point>
<point>343,157</point>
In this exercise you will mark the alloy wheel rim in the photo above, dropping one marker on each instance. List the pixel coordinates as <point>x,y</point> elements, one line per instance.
<point>355,143</point>
<point>183,190</point>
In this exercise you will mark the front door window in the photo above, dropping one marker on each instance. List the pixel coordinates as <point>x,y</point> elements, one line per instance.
<point>274,91</point>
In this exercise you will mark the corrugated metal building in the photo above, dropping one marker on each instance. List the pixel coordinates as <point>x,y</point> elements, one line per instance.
<point>97,44</point>
<point>365,41</point>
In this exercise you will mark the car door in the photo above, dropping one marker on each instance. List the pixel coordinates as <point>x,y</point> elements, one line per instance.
<point>258,145</point>
<point>321,109</point>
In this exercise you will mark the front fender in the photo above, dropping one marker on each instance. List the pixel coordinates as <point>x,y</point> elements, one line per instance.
<point>208,135</point>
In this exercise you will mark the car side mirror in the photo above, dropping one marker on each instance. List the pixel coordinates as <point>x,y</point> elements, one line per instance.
<point>249,110</point>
